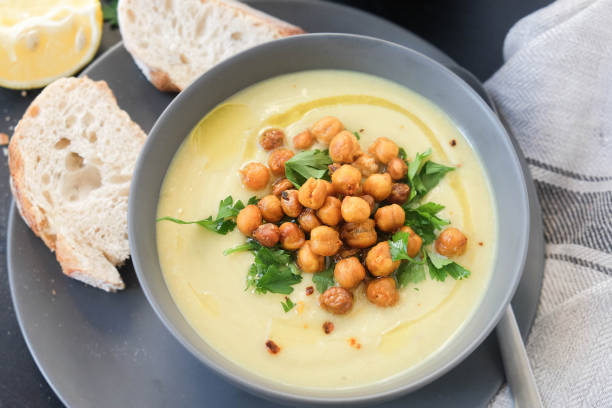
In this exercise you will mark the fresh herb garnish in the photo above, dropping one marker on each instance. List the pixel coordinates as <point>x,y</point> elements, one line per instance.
<point>357,135</point>
<point>109,13</point>
<point>397,246</point>
<point>287,304</point>
<point>250,245</point>
<point>424,221</point>
<point>402,154</point>
<point>440,266</point>
<point>410,272</point>
<point>324,280</point>
<point>307,164</point>
<point>423,175</point>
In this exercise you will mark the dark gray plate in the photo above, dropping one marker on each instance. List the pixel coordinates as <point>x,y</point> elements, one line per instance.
<point>97,349</point>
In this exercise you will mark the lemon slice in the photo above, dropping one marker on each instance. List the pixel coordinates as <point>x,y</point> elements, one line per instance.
<point>42,40</point>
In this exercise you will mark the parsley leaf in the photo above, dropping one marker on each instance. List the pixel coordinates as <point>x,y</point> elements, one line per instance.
<point>424,221</point>
<point>109,13</point>
<point>402,154</point>
<point>423,175</point>
<point>307,164</point>
<point>277,279</point>
<point>250,245</point>
<point>253,200</point>
<point>409,272</point>
<point>324,280</point>
<point>225,221</point>
<point>440,266</point>
<point>357,135</point>
<point>287,304</point>
<point>397,246</point>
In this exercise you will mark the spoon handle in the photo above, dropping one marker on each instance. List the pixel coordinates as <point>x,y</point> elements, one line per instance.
<point>516,364</point>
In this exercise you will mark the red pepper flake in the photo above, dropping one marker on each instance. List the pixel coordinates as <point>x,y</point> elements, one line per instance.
<point>481,243</point>
<point>328,327</point>
<point>273,348</point>
<point>361,130</point>
<point>353,343</point>
<point>453,143</point>
<point>309,290</point>
<point>4,139</point>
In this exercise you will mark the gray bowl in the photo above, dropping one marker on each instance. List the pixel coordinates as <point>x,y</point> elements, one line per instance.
<point>470,113</point>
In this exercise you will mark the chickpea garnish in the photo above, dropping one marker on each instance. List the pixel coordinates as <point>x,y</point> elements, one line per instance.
<point>329,186</point>
<point>290,203</point>
<point>325,241</point>
<point>346,180</point>
<point>248,219</point>
<point>326,128</point>
<point>272,138</point>
<point>378,260</point>
<point>413,246</point>
<point>308,219</point>
<point>382,292</point>
<point>355,209</point>
<point>370,200</point>
<point>308,261</point>
<point>270,207</point>
<point>281,185</point>
<point>330,213</point>
<point>277,160</point>
<point>255,176</point>
<point>267,234</point>
<point>359,234</point>
<point>304,140</point>
<point>313,193</point>
<point>291,236</point>
<point>349,272</point>
<point>366,164</point>
<point>390,217</point>
<point>336,300</point>
<point>397,168</point>
<point>344,147</point>
<point>383,150</point>
<point>378,186</point>
<point>399,193</point>
<point>451,242</point>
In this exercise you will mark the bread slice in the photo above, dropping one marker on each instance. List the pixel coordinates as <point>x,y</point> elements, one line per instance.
<point>175,41</point>
<point>71,160</point>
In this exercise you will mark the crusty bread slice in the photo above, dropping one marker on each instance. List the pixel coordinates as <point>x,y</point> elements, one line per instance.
<point>71,160</point>
<point>175,41</point>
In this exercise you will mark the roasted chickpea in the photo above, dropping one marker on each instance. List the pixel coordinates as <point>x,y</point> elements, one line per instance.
<point>270,207</point>
<point>329,186</point>
<point>347,252</point>
<point>325,241</point>
<point>390,217</point>
<point>397,168</point>
<point>378,186</point>
<point>291,236</point>
<point>382,292</point>
<point>303,140</point>
<point>413,246</point>
<point>451,242</point>
<point>336,300</point>
<point>290,203</point>
<point>355,209</point>
<point>329,213</point>
<point>272,138</point>
<point>326,128</point>
<point>346,180</point>
<point>281,185</point>
<point>370,200</point>
<point>378,260</point>
<point>267,234</point>
<point>349,272</point>
<point>312,194</point>
<point>399,193</point>
<point>366,164</point>
<point>344,147</point>
<point>308,261</point>
<point>383,150</point>
<point>248,219</point>
<point>277,160</point>
<point>255,176</point>
<point>308,219</point>
<point>359,234</point>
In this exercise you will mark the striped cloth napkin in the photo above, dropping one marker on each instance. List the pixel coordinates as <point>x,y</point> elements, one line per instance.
<point>555,90</point>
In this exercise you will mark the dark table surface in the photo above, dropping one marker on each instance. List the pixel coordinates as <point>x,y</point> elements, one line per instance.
<point>471,32</point>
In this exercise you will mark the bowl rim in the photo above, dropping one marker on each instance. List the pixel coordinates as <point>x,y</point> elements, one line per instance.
<point>284,396</point>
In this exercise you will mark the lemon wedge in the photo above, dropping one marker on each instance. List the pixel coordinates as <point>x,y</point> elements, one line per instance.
<point>42,40</point>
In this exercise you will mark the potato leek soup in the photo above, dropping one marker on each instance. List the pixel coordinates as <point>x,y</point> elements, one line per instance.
<point>326,229</point>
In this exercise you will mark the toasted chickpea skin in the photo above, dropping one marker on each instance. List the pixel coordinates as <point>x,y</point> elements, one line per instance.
<point>383,150</point>
<point>267,234</point>
<point>304,140</point>
<point>399,193</point>
<point>346,180</point>
<point>308,261</point>
<point>272,138</point>
<point>333,167</point>
<point>248,219</point>
<point>277,160</point>
<point>270,207</point>
<point>370,200</point>
<point>390,217</point>
<point>359,234</point>
<point>378,260</point>
<point>329,213</point>
<point>366,164</point>
<point>397,168</point>
<point>290,203</point>
<point>326,128</point>
<point>329,186</point>
<point>255,176</point>
<point>355,209</point>
<point>378,186</point>
<point>336,300</point>
<point>281,185</point>
<point>451,242</point>
<point>312,194</point>
<point>347,252</point>
<point>382,292</point>
<point>413,246</point>
<point>308,219</point>
<point>344,147</point>
<point>325,241</point>
<point>291,236</point>
<point>349,272</point>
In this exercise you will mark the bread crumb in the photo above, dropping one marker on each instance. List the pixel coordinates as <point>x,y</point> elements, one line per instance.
<point>4,139</point>
<point>24,93</point>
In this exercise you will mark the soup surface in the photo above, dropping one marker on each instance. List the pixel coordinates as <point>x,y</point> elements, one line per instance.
<point>369,343</point>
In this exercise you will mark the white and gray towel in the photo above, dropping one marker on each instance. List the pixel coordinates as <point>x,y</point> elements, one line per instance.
<point>555,91</point>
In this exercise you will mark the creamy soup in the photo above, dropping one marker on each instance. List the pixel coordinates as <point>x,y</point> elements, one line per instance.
<point>369,343</point>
